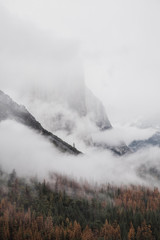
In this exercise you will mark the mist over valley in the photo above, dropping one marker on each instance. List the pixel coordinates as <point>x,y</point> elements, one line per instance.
<point>79,120</point>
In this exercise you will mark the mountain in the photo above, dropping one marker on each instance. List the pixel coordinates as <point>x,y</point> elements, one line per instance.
<point>79,113</point>
<point>46,68</point>
<point>152,141</point>
<point>67,108</point>
<point>11,110</point>
<point>75,111</point>
<point>48,73</point>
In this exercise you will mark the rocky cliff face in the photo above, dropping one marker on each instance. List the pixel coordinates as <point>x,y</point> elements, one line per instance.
<point>61,104</point>
<point>96,111</point>
<point>11,110</point>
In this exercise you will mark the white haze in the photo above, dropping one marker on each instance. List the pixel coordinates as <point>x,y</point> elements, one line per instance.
<point>117,43</point>
<point>49,51</point>
<point>31,155</point>
<point>42,72</point>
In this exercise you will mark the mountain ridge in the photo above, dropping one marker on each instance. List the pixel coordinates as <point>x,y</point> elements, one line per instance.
<point>11,110</point>
<point>154,140</point>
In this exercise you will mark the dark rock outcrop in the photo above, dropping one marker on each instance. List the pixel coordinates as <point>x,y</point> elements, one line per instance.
<point>119,150</point>
<point>152,141</point>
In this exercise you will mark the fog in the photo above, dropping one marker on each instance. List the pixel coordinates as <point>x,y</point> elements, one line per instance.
<point>31,155</point>
<point>32,61</point>
<point>117,43</point>
<point>70,63</point>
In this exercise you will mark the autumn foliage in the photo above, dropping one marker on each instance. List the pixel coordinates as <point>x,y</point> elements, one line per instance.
<point>63,210</point>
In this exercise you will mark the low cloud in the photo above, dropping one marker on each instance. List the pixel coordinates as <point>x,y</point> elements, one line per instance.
<point>32,155</point>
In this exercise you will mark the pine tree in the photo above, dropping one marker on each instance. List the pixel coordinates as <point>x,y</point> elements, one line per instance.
<point>131,234</point>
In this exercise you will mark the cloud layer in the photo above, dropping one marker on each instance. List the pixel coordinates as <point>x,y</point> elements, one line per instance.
<point>31,155</point>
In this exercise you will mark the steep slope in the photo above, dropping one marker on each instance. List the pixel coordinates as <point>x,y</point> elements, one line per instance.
<point>96,110</point>
<point>11,110</point>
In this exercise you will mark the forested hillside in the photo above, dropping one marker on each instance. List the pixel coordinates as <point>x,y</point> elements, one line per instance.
<point>62,208</point>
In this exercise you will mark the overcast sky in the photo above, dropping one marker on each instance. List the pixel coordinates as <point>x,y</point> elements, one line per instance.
<point>118,42</point>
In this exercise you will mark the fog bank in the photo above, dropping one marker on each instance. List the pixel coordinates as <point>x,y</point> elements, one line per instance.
<point>32,155</point>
